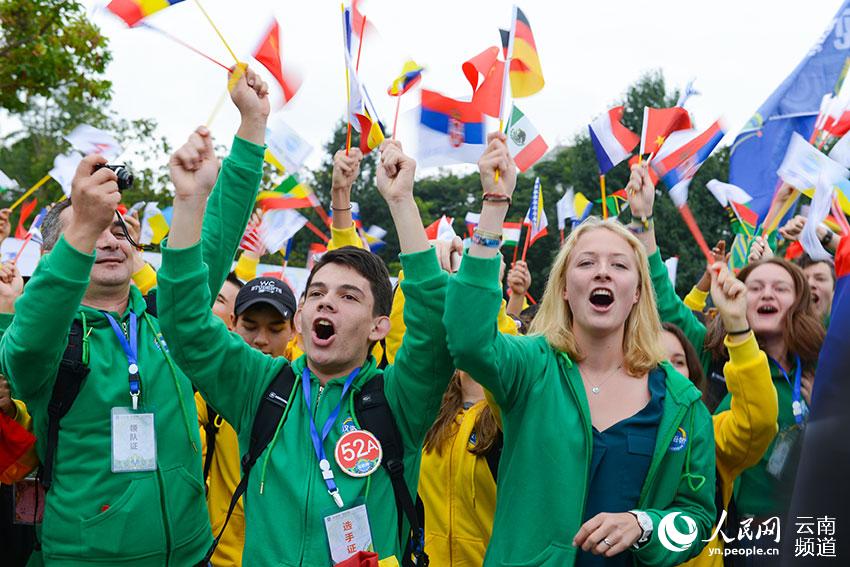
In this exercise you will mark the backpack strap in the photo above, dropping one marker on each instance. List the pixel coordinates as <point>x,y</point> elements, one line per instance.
<point>150,303</point>
<point>374,414</point>
<point>69,379</point>
<point>493,456</point>
<point>210,430</point>
<point>268,416</point>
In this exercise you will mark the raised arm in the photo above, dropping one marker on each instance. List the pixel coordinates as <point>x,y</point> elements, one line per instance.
<point>346,169</point>
<point>744,432</point>
<point>232,200</point>
<point>32,346</point>
<point>227,371</point>
<point>422,367</point>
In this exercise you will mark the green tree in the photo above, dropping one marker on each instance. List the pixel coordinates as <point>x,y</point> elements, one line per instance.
<point>47,45</point>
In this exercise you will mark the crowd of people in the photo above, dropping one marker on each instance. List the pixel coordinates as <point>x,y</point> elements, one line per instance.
<point>200,415</point>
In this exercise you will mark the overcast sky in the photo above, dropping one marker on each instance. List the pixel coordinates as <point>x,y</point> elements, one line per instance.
<point>739,52</point>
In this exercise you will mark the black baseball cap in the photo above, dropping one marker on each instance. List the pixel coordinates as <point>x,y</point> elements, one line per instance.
<point>270,291</point>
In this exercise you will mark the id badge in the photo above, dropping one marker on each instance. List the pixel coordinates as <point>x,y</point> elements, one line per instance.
<point>133,441</point>
<point>28,495</point>
<point>786,442</point>
<point>348,532</point>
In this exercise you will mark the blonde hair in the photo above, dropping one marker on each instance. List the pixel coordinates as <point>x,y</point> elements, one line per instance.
<point>554,320</point>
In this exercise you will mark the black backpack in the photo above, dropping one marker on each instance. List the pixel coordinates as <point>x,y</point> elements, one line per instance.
<point>69,379</point>
<point>210,430</point>
<point>374,414</point>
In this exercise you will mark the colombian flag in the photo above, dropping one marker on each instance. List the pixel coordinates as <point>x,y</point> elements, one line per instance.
<point>134,11</point>
<point>526,73</point>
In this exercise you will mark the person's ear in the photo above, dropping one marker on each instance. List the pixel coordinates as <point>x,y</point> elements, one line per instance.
<point>296,320</point>
<point>380,328</point>
<point>233,319</point>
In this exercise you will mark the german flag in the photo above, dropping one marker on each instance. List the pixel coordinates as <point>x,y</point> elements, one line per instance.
<point>526,73</point>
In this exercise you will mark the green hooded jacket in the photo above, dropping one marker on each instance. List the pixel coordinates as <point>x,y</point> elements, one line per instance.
<point>93,516</point>
<point>544,470</point>
<point>287,500</point>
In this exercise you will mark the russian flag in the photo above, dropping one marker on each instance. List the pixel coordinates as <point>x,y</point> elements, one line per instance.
<point>451,131</point>
<point>684,151</point>
<point>612,141</point>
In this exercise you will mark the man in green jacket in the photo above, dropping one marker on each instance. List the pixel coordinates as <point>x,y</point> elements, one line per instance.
<point>301,506</point>
<point>126,485</point>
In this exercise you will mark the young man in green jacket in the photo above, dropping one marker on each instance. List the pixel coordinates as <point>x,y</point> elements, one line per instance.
<point>546,395</point>
<point>301,507</point>
<point>126,484</point>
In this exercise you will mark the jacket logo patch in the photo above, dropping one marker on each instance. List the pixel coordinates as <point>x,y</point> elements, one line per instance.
<point>348,425</point>
<point>680,440</point>
<point>473,441</point>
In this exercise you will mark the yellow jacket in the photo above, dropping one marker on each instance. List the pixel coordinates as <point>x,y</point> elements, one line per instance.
<point>224,476</point>
<point>744,432</point>
<point>459,494</point>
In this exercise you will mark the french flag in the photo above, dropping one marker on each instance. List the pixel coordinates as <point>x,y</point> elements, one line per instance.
<point>612,141</point>
<point>683,153</point>
<point>450,131</point>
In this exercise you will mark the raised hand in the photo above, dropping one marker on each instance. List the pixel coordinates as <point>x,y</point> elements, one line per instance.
<point>5,225</point>
<point>759,250</point>
<point>194,167</point>
<point>95,197</point>
<point>11,287</point>
<point>448,253</point>
<point>395,173</point>
<point>346,169</point>
<point>641,191</point>
<point>729,295</point>
<point>792,229</point>
<point>250,94</point>
<point>519,278</point>
<point>497,158</point>
<point>7,406</point>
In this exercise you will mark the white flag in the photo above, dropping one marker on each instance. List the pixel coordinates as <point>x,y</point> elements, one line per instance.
<point>565,208</point>
<point>726,193</point>
<point>672,264</point>
<point>6,182</point>
<point>818,211</point>
<point>286,145</point>
<point>90,140</point>
<point>64,169</point>
<point>804,164</point>
<point>278,226</point>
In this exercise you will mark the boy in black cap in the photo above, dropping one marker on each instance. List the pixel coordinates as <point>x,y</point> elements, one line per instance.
<point>263,313</point>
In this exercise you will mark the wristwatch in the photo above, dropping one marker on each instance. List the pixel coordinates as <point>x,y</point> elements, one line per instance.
<point>645,523</point>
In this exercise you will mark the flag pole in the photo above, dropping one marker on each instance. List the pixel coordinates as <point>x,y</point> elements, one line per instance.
<point>215,28</point>
<point>516,246</point>
<point>506,75</point>
<point>21,249</point>
<point>216,109</point>
<point>688,217</point>
<point>395,121</point>
<point>604,196</point>
<point>316,231</point>
<point>838,213</point>
<point>525,245</point>
<point>179,41</point>
<point>29,192</point>
<point>561,232</point>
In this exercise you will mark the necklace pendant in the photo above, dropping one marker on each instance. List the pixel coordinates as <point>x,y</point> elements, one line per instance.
<point>595,389</point>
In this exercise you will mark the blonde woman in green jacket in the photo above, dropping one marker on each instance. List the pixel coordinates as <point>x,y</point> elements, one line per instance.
<point>609,453</point>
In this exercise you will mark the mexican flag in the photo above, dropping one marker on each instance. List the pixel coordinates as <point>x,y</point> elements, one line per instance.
<point>510,233</point>
<point>525,144</point>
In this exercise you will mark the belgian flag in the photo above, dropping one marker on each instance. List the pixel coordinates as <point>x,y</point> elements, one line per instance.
<point>525,72</point>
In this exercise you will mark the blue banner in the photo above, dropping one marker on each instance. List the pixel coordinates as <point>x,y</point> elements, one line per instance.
<point>759,148</point>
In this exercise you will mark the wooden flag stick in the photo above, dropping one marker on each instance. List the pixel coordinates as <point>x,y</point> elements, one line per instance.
<point>218,33</point>
<point>216,109</point>
<point>29,192</point>
<point>604,196</point>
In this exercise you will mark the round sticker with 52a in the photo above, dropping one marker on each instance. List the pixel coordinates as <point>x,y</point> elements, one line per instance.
<point>358,453</point>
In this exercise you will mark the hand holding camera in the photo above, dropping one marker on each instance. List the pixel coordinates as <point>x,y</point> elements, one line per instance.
<point>94,196</point>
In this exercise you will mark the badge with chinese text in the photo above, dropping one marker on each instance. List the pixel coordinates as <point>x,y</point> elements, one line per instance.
<point>133,441</point>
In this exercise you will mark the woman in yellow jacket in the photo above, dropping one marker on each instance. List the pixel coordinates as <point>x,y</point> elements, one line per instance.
<point>742,433</point>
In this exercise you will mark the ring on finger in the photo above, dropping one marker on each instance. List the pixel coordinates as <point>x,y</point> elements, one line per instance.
<point>607,542</point>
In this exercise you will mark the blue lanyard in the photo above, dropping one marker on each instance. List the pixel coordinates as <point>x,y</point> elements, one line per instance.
<point>797,405</point>
<point>131,349</point>
<point>318,442</point>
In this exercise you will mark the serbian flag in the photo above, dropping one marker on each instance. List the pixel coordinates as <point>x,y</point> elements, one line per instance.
<point>371,135</point>
<point>134,11</point>
<point>525,143</point>
<point>486,94</point>
<point>535,218</point>
<point>451,131</point>
<point>411,73</point>
<point>658,123</point>
<point>268,54</point>
<point>612,141</point>
<point>684,152</point>
<point>525,72</point>
<point>441,229</point>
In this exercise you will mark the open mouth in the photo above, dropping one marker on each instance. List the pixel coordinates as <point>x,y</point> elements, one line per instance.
<point>767,310</point>
<point>815,298</point>
<point>323,332</point>
<point>601,298</point>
